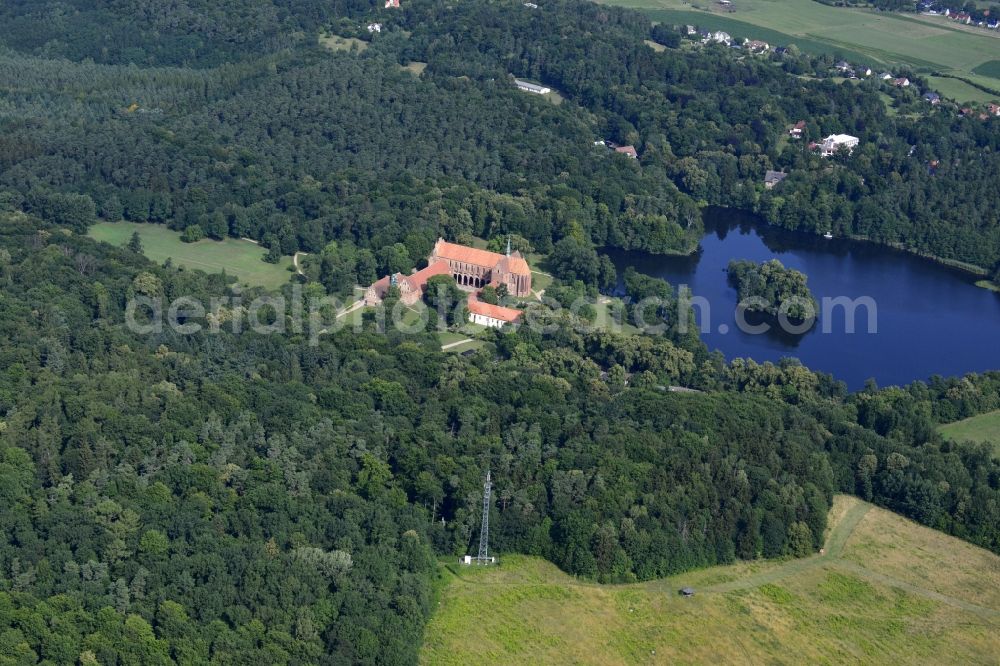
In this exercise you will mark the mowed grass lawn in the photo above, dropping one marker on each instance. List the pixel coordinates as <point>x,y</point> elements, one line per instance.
<point>984,428</point>
<point>236,257</point>
<point>886,591</point>
<point>883,37</point>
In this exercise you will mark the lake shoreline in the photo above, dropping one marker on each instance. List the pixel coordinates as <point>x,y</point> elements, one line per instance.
<point>989,286</point>
<point>918,307</point>
<point>973,270</point>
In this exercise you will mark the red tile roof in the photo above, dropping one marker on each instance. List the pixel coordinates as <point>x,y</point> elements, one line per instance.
<point>420,278</point>
<point>467,255</point>
<point>417,281</point>
<point>515,264</point>
<point>627,150</point>
<point>498,312</point>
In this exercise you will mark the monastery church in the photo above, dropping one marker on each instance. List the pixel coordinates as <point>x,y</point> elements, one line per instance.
<point>472,270</point>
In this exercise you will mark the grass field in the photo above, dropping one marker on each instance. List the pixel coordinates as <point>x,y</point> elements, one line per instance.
<point>885,591</point>
<point>983,428</point>
<point>338,43</point>
<point>236,257</point>
<point>989,68</point>
<point>859,34</point>
<point>468,345</point>
<point>416,67</point>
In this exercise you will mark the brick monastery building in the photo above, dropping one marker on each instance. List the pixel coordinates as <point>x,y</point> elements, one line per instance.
<point>472,270</point>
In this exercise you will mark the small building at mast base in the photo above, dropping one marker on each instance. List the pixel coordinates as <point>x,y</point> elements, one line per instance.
<point>471,559</point>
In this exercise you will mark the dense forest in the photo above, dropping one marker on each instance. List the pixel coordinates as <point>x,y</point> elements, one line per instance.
<point>229,498</point>
<point>273,137</point>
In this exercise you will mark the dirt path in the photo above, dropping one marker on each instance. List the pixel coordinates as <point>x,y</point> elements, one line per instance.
<point>838,536</point>
<point>455,344</point>
<point>859,570</point>
<point>357,304</point>
<point>835,543</point>
<point>295,261</point>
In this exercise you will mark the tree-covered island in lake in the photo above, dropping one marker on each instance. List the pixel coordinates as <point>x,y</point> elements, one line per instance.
<point>771,288</point>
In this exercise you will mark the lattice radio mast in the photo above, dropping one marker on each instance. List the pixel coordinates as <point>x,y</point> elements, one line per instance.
<point>484,533</point>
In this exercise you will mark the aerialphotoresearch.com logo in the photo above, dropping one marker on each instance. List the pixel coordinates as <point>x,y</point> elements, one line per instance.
<point>318,316</point>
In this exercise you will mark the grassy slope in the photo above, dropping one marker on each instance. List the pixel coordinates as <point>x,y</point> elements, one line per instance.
<point>883,37</point>
<point>983,428</point>
<point>237,257</point>
<point>885,591</point>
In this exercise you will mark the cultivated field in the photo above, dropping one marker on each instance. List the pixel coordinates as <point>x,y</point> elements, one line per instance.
<point>860,34</point>
<point>960,91</point>
<point>236,257</point>
<point>885,591</point>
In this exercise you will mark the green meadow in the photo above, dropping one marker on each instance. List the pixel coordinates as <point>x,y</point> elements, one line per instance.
<point>237,257</point>
<point>338,43</point>
<point>884,590</point>
<point>984,428</point>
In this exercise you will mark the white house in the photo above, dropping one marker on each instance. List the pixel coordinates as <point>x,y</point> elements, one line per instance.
<point>374,27</point>
<point>527,86</point>
<point>494,316</point>
<point>835,142</point>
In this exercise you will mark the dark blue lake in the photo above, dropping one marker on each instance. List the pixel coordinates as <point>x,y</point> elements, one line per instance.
<point>931,319</point>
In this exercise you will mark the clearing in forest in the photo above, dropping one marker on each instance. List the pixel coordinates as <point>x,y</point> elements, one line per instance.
<point>886,590</point>
<point>240,258</point>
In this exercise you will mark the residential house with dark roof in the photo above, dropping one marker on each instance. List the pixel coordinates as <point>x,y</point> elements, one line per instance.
<point>772,178</point>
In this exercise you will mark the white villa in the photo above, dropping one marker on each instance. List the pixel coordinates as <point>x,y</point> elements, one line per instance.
<point>835,142</point>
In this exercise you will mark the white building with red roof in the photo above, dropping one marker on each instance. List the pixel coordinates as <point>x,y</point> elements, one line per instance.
<point>487,314</point>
